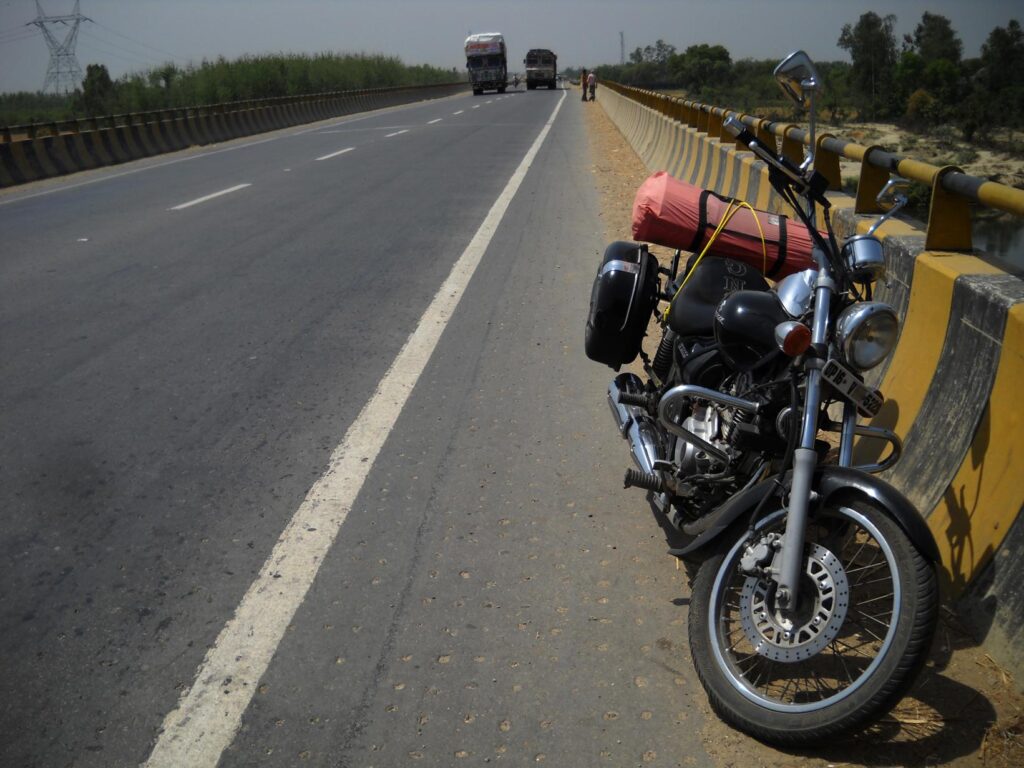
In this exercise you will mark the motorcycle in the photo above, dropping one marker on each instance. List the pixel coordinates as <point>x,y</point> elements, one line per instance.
<point>814,582</point>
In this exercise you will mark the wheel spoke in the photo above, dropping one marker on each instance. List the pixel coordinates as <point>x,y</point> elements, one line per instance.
<point>842,660</point>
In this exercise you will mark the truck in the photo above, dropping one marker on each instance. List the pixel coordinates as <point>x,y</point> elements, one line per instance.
<point>487,62</point>
<point>541,68</point>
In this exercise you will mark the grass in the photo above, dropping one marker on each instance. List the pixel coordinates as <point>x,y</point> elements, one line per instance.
<point>221,80</point>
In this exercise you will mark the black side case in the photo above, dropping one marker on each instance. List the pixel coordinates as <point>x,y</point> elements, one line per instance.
<point>624,295</point>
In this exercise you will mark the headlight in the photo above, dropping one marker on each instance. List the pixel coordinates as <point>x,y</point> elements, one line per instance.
<point>866,333</point>
<point>865,258</point>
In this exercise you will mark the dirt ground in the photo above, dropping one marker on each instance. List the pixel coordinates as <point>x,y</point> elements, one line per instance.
<point>942,147</point>
<point>964,711</point>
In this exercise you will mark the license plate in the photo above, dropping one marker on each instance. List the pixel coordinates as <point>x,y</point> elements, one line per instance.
<point>845,382</point>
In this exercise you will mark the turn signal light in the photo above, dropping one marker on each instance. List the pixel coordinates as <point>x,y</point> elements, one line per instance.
<point>792,337</point>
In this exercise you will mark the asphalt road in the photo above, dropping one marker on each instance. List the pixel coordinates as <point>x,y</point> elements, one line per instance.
<point>178,368</point>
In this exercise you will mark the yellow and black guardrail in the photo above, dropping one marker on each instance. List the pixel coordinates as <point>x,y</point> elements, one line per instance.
<point>951,383</point>
<point>42,150</point>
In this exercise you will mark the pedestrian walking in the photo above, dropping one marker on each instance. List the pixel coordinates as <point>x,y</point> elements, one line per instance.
<point>583,83</point>
<point>592,85</point>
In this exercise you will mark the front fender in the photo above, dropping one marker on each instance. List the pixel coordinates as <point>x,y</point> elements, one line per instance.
<point>831,483</point>
<point>838,482</point>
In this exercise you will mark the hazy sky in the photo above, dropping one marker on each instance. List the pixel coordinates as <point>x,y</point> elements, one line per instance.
<point>130,35</point>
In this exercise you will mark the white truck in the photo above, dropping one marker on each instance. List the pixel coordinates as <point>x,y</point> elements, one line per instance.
<point>487,62</point>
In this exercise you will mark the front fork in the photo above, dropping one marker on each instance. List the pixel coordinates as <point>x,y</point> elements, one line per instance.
<point>787,565</point>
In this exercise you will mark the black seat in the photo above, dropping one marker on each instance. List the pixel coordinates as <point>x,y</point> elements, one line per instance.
<point>693,309</point>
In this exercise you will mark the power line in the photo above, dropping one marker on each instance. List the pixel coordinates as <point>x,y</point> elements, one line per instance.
<point>92,42</point>
<point>139,42</point>
<point>95,39</point>
<point>17,38</point>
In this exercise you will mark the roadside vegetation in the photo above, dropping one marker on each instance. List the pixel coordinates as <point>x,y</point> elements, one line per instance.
<point>218,81</point>
<point>923,83</point>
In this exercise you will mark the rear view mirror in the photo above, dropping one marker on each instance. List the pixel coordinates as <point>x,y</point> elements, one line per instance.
<point>894,193</point>
<point>892,199</point>
<point>798,77</point>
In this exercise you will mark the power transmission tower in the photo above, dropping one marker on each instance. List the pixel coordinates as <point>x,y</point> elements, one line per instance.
<point>63,73</point>
<point>622,48</point>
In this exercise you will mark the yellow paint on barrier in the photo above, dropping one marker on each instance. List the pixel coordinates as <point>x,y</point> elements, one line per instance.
<point>6,173</point>
<point>715,150</point>
<point>764,191</point>
<point>21,163</point>
<point>729,174</point>
<point>686,168</point>
<point>743,187</point>
<point>44,159</point>
<point>86,159</point>
<point>61,156</point>
<point>917,353</point>
<point>987,492</point>
<point>703,152</point>
<point>682,168</point>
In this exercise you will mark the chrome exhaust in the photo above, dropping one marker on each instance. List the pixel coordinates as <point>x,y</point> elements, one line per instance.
<point>634,424</point>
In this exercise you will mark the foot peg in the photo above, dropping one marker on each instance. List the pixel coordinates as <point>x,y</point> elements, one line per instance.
<point>646,480</point>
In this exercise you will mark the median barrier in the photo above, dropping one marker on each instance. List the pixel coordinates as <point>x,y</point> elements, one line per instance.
<point>952,383</point>
<point>30,153</point>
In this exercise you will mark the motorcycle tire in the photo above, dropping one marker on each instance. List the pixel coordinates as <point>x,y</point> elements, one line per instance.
<point>861,632</point>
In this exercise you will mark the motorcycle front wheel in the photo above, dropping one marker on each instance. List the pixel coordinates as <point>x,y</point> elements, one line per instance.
<point>855,643</point>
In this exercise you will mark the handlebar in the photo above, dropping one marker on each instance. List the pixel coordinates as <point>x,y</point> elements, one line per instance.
<point>811,185</point>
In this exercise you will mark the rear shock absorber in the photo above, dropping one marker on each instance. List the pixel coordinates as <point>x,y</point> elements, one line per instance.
<point>663,357</point>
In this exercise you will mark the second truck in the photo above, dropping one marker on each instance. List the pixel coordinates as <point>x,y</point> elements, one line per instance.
<point>541,68</point>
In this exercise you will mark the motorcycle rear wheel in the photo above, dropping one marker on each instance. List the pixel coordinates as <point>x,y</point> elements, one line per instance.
<point>862,631</point>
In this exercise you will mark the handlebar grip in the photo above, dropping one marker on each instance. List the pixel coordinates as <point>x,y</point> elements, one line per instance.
<point>744,136</point>
<point>739,130</point>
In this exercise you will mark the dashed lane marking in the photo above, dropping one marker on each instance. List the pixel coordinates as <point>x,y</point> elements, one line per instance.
<point>335,154</point>
<point>204,198</point>
<point>210,712</point>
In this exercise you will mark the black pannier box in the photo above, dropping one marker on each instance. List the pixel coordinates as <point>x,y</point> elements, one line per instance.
<point>624,296</point>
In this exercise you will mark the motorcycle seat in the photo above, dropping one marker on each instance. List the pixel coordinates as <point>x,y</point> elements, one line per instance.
<point>693,309</point>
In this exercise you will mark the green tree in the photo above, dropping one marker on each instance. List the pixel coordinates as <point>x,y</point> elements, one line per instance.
<point>97,96</point>
<point>703,70</point>
<point>659,53</point>
<point>835,77</point>
<point>998,97</point>
<point>872,47</point>
<point>934,39</point>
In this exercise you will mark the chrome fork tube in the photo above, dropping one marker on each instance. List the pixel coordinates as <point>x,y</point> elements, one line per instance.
<point>846,436</point>
<point>805,458</point>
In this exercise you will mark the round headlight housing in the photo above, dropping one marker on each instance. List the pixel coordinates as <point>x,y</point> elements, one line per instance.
<point>867,333</point>
<point>865,258</point>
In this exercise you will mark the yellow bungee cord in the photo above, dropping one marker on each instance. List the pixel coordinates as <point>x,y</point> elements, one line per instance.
<point>734,206</point>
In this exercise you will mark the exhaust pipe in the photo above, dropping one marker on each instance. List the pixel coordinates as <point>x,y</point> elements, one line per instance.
<point>634,424</point>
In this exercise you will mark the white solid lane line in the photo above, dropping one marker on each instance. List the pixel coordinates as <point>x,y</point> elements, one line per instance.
<point>210,712</point>
<point>431,122</point>
<point>396,133</point>
<point>203,199</point>
<point>335,154</point>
